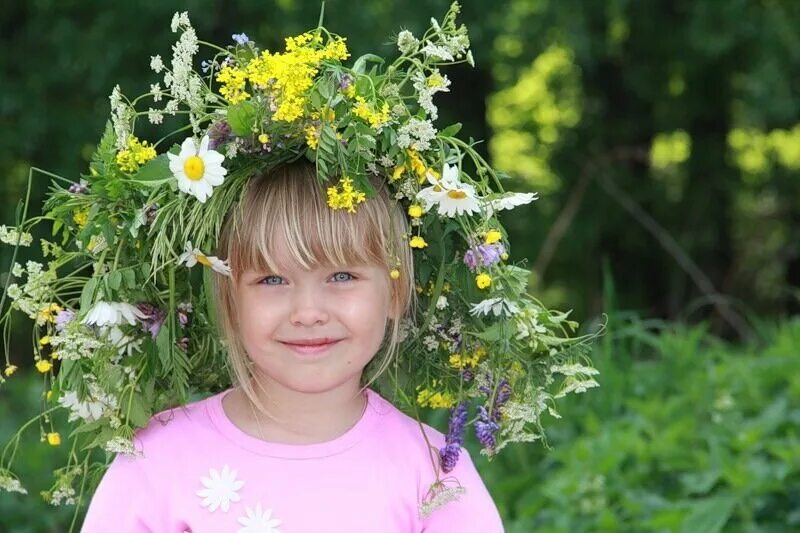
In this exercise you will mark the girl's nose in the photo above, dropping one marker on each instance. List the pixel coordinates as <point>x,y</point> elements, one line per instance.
<point>308,309</point>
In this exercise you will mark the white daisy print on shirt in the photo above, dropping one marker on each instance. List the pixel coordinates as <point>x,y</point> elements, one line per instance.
<point>259,521</point>
<point>221,489</point>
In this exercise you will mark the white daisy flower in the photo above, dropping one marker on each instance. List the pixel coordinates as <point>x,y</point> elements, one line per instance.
<point>451,195</point>
<point>221,489</point>
<point>496,306</point>
<point>510,201</point>
<point>111,314</point>
<point>191,256</point>
<point>197,169</point>
<point>259,521</point>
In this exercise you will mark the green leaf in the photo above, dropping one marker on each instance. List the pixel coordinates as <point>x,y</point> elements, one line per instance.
<point>115,280</point>
<point>87,294</point>
<point>450,130</point>
<point>360,66</point>
<point>138,415</point>
<point>242,118</point>
<point>157,169</point>
<point>710,514</point>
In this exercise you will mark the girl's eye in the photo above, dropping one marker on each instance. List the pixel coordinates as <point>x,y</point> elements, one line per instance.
<point>343,276</point>
<point>271,280</point>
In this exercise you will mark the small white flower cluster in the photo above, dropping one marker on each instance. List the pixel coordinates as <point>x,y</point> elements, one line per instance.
<point>34,295</point>
<point>121,116</point>
<point>75,341</point>
<point>95,407</point>
<point>439,496</point>
<point>125,344</point>
<point>431,343</point>
<point>63,495</point>
<point>528,326</point>
<point>451,44</point>
<point>405,329</point>
<point>9,483</point>
<point>406,42</point>
<point>416,134</point>
<point>9,235</point>
<point>184,83</point>
<point>426,87</point>
<point>122,445</point>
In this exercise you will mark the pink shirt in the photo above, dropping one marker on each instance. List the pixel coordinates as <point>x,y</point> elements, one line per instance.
<point>201,473</point>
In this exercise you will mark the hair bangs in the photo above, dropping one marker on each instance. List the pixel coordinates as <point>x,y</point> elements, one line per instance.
<point>285,214</point>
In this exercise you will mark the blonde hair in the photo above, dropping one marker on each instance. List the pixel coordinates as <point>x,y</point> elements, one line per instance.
<point>290,203</point>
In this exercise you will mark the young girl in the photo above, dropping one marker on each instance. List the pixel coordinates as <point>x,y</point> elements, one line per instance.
<point>299,445</point>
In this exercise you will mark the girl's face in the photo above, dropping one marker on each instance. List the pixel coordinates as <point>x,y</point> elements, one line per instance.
<point>312,331</point>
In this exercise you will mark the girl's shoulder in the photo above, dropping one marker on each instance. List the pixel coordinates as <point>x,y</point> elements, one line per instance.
<point>404,431</point>
<point>177,425</point>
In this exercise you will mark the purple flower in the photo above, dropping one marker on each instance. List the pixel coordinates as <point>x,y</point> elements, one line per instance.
<point>183,344</point>
<point>79,188</point>
<point>153,319</point>
<point>150,213</point>
<point>184,310</point>
<point>345,82</point>
<point>455,437</point>
<point>63,317</point>
<point>485,429</point>
<point>219,133</point>
<point>240,38</point>
<point>467,374</point>
<point>483,255</point>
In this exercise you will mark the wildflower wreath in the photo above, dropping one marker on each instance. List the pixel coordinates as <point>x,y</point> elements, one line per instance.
<point>124,310</point>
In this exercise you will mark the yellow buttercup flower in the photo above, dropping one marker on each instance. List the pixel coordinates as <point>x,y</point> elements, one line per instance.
<point>9,370</point>
<point>483,280</point>
<point>504,256</point>
<point>492,236</point>
<point>415,211</point>
<point>417,242</point>
<point>348,198</point>
<point>263,138</point>
<point>44,340</point>
<point>398,171</point>
<point>49,395</point>
<point>53,439</point>
<point>394,274</point>
<point>43,366</point>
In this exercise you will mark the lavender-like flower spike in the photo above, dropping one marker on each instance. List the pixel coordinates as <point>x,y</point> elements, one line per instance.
<point>483,255</point>
<point>455,437</point>
<point>485,429</point>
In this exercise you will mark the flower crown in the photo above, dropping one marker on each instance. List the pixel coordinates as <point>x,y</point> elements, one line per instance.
<point>124,311</point>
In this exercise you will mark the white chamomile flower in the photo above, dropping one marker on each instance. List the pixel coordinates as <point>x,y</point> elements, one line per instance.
<point>496,306</point>
<point>191,256</point>
<point>510,201</point>
<point>259,521</point>
<point>111,314</point>
<point>452,196</point>
<point>197,169</point>
<point>222,488</point>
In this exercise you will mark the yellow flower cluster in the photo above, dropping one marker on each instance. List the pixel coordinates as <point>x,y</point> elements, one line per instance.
<point>81,218</point>
<point>347,198</point>
<point>417,242</point>
<point>364,111</point>
<point>461,361</point>
<point>233,84</point>
<point>312,137</point>
<point>136,154</point>
<point>286,76</point>
<point>48,312</point>
<point>417,165</point>
<point>435,399</point>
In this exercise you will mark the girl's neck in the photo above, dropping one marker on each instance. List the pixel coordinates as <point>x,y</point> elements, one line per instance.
<point>299,418</point>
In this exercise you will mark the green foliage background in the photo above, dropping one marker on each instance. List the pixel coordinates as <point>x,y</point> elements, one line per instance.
<point>664,139</point>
